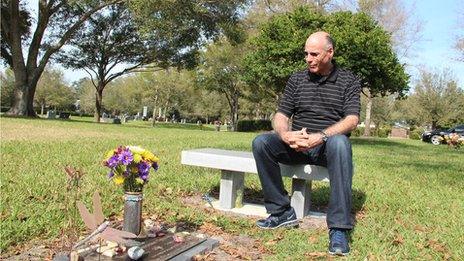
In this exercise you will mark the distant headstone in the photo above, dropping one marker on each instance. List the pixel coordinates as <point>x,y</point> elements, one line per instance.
<point>398,132</point>
<point>145,111</point>
<point>51,114</point>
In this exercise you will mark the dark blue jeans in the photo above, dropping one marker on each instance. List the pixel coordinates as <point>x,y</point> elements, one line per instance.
<point>269,150</point>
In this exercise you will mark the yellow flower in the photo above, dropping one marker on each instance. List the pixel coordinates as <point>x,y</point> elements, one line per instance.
<point>118,180</point>
<point>139,181</point>
<point>109,154</point>
<point>137,157</point>
<point>149,156</point>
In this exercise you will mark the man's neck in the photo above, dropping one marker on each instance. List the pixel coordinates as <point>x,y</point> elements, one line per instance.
<point>328,70</point>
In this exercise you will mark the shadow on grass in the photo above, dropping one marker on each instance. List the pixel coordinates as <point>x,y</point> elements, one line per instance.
<point>319,198</point>
<point>380,142</point>
<point>138,125</point>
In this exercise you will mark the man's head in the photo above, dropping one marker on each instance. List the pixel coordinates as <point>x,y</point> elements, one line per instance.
<point>319,50</point>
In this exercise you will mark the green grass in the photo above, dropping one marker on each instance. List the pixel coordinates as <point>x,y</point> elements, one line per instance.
<point>408,195</point>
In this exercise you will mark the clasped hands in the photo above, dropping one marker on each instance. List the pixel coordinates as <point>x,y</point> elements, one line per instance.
<point>301,140</point>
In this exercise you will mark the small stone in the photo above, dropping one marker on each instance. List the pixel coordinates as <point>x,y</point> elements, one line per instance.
<point>135,252</point>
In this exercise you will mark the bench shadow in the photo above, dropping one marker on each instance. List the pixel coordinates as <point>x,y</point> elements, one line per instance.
<point>319,199</point>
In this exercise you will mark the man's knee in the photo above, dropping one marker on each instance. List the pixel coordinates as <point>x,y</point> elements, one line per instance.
<point>338,142</point>
<point>259,143</point>
<point>262,142</point>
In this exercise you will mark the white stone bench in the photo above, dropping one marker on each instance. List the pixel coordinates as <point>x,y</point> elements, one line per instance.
<point>234,165</point>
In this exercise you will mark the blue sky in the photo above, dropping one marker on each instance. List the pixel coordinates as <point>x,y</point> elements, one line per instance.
<point>440,27</point>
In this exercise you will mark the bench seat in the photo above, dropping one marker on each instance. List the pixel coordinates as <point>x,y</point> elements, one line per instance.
<point>234,165</point>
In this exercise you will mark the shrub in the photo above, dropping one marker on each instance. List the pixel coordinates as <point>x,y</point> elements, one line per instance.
<point>358,132</point>
<point>254,125</point>
<point>382,132</point>
<point>415,134</point>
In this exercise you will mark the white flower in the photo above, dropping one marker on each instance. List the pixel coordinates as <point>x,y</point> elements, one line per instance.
<point>135,149</point>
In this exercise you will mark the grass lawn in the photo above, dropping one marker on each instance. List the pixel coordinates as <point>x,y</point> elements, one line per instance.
<point>408,195</point>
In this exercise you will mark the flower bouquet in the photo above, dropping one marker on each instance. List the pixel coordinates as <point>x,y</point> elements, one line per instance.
<point>130,166</point>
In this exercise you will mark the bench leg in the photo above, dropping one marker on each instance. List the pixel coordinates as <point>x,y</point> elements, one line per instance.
<point>231,189</point>
<point>301,197</point>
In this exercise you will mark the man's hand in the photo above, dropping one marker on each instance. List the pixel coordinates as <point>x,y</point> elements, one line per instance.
<point>291,137</point>
<point>312,140</point>
<point>301,140</point>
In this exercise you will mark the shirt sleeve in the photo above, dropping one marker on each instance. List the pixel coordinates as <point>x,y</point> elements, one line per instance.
<point>352,105</point>
<point>287,101</point>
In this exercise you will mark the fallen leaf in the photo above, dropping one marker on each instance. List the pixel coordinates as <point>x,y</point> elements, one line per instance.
<point>209,228</point>
<point>398,240</point>
<point>316,254</point>
<point>178,238</point>
<point>419,228</point>
<point>312,239</point>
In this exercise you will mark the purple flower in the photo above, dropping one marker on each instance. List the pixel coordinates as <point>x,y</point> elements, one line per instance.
<point>143,167</point>
<point>110,174</point>
<point>126,157</point>
<point>155,166</point>
<point>113,161</point>
<point>144,177</point>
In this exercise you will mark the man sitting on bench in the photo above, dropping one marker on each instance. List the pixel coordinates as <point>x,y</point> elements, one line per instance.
<point>324,103</point>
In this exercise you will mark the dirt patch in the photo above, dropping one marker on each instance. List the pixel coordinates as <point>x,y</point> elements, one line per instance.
<point>231,247</point>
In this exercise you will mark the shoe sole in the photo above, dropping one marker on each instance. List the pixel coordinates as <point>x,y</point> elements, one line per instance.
<point>291,223</point>
<point>338,253</point>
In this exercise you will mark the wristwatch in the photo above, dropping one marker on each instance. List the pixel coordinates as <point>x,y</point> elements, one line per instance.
<point>324,136</point>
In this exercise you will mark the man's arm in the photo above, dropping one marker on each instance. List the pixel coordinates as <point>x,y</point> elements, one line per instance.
<point>344,126</point>
<point>281,128</point>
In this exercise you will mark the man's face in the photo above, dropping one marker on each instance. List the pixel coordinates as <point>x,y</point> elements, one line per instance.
<point>318,57</point>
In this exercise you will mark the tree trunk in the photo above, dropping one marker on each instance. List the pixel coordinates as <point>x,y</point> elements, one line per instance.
<point>367,121</point>
<point>154,112</point>
<point>98,104</point>
<point>23,104</point>
<point>234,113</point>
<point>42,107</point>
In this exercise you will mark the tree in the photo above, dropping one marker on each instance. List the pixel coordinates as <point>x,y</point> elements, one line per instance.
<point>85,93</point>
<point>221,72</point>
<point>379,68</point>
<point>405,31</point>
<point>396,19</point>
<point>437,100</point>
<point>53,92</point>
<point>61,18</point>
<point>361,46</point>
<point>112,38</point>
<point>108,39</point>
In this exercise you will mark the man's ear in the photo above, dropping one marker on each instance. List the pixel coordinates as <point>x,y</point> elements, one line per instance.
<point>330,52</point>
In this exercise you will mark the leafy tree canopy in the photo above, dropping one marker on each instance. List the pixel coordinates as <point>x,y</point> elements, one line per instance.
<point>361,46</point>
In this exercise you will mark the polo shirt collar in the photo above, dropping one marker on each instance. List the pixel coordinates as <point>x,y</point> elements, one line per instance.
<point>332,77</point>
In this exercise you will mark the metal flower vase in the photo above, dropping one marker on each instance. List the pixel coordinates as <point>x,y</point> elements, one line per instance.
<point>133,212</point>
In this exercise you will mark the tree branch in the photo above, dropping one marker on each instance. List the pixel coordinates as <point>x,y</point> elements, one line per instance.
<point>44,17</point>
<point>127,70</point>
<point>91,77</point>
<point>51,50</point>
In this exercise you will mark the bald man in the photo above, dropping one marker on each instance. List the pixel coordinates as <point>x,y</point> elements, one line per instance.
<point>323,103</point>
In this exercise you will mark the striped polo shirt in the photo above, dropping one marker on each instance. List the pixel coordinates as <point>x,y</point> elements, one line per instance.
<point>317,102</point>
